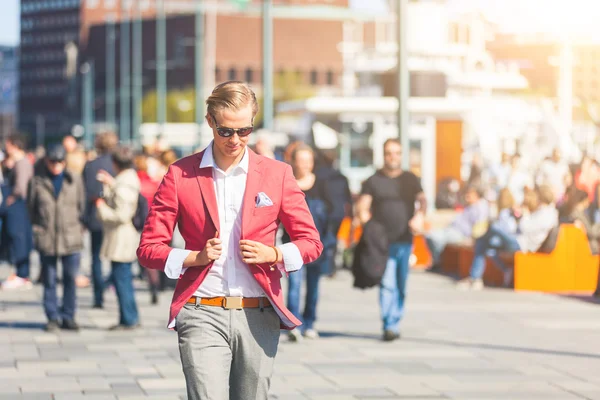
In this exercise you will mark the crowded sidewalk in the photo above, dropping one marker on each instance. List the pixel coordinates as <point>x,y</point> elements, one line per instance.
<point>494,344</point>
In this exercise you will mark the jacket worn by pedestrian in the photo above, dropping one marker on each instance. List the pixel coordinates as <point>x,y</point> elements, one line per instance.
<point>120,236</point>
<point>93,189</point>
<point>56,220</point>
<point>15,234</point>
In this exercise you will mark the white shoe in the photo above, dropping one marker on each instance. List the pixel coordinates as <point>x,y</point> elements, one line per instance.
<point>295,335</point>
<point>477,284</point>
<point>464,284</point>
<point>16,283</point>
<point>311,334</point>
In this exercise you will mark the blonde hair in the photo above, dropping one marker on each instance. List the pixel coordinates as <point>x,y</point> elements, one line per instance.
<point>505,199</point>
<point>233,95</point>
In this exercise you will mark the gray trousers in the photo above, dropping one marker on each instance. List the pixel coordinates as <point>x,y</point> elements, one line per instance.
<point>227,354</point>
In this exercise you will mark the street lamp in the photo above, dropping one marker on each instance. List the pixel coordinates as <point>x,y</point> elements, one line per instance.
<point>87,70</point>
<point>403,81</point>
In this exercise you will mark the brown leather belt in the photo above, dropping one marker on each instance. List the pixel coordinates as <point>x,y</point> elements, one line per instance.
<point>229,303</point>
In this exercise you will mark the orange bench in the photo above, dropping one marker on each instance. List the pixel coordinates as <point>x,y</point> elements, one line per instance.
<point>569,268</point>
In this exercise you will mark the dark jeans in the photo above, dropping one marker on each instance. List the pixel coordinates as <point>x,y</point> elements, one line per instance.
<point>70,266</point>
<point>23,268</point>
<point>393,285</point>
<point>123,281</point>
<point>313,275</point>
<point>97,279</point>
<point>496,239</point>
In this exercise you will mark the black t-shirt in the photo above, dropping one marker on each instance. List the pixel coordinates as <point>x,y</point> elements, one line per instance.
<point>393,203</point>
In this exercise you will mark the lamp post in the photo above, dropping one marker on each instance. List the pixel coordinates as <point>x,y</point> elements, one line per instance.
<point>138,72</point>
<point>403,81</point>
<point>88,73</point>
<point>161,65</point>
<point>110,72</point>
<point>267,64</point>
<point>199,69</point>
<point>125,73</point>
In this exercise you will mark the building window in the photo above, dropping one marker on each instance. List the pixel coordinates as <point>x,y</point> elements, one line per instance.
<point>232,75</point>
<point>329,78</point>
<point>249,75</point>
<point>314,77</point>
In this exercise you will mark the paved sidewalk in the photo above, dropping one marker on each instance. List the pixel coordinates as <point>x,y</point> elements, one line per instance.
<point>494,344</point>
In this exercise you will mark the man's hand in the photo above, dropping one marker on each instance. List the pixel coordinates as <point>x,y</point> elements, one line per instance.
<point>580,225</point>
<point>211,252</point>
<point>10,200</point>
<point>99,202</point>
<point>257,253</point>
<point>417,223</point>
<point>105,177</point>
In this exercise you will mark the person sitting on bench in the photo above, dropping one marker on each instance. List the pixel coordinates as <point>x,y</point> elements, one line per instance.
<point>538,220</point>
<point>463,227</point>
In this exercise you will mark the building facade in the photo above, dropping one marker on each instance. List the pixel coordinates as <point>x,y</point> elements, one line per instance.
<point>9,89</point>
<point>306,49</point>
<point>48,68</point>
<point>538,57</point>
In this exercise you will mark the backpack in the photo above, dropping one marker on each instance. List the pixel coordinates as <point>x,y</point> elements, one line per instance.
<point>141,213</point>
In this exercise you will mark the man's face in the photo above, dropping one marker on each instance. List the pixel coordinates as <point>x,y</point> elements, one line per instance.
<point>304,163</point>
<point>471,197</point>
<point>230,148</point>
<point>55,167</point>
<point>515,162</point>
<point>556,155</point>
<point>70,144</point>
<point>10,148</point>
<point>392,156</point>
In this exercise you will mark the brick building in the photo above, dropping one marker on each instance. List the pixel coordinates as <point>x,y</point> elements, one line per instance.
<point>52,29</point>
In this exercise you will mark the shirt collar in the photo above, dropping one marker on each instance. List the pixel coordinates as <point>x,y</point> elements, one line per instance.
<point>208,159</point>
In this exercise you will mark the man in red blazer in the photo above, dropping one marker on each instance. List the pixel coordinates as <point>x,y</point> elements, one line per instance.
<point>228,201</point>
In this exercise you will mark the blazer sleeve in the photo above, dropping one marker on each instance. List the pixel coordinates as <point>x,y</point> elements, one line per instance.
<point>155,241</point>
<point>297,219</point>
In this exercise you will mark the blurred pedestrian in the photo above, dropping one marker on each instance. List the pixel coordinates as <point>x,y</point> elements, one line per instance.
<point>303,162</point>
<point>105,144</point>
<point>56,205</point>
<point>394,199</point>
<point>19,177</point>
<point>116,209</point>
<point>148,187</point>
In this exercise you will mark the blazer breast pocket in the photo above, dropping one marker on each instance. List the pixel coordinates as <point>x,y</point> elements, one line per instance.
<point>267,210</point>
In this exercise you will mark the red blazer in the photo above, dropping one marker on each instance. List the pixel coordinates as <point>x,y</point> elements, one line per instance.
<point>186,197</point>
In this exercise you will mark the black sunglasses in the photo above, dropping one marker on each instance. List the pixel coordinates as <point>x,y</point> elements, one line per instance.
<point>229,132</point>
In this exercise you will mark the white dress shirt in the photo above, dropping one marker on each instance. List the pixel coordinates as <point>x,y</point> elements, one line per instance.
<point>229,275</point>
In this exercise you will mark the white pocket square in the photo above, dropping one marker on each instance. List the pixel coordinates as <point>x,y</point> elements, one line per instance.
<point>262,200</point>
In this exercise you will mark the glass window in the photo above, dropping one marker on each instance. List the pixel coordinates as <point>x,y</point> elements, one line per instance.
<point>249,76</point>
<point>314,77</point>
<point>232,75</point>
<point>330,78</point>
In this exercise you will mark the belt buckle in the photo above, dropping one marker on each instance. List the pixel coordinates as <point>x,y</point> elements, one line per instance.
<point>232,303</point>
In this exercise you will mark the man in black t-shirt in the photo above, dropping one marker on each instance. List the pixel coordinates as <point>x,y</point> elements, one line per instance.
<point>395,199</point>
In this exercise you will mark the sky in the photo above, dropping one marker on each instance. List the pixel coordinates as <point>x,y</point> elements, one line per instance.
<point>9,22</point>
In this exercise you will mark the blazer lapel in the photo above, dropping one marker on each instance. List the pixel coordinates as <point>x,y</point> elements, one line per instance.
<point>252,188</point>
<point>207,190</point>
